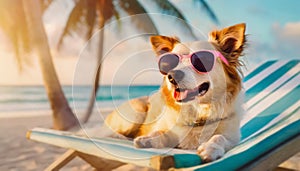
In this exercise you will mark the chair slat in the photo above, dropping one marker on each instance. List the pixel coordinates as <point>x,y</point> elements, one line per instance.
<point>271,78</point>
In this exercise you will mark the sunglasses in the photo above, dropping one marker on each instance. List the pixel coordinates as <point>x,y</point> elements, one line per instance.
<point>201,61</point>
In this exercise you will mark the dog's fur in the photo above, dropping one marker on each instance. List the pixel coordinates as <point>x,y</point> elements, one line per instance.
<point>209,122</point>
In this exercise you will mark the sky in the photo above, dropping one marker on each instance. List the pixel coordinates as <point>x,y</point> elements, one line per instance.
<point>273,29</point>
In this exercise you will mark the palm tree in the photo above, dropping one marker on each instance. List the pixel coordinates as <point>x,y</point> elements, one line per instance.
<point>22,22</point>
<point>88,12</point>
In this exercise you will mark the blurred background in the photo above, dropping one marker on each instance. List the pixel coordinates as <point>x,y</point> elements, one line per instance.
<point>272,28</point>
<point>54,54</point>
<point>60,51</point>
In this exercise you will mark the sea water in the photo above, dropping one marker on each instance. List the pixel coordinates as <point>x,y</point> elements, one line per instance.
<point>34,98</point>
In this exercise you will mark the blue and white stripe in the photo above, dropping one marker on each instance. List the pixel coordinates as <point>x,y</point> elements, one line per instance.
<point>269,95</point>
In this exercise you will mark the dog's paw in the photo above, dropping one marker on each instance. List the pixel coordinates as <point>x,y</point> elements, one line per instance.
<point>213,149</point>
<point>210,151</point>
<point>154,140</point>
<point>143,142</point>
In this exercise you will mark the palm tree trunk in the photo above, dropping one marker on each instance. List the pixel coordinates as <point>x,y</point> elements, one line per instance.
<point>95,88</point>
<point>63,117</point>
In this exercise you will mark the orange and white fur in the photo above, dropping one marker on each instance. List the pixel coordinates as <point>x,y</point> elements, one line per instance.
<point>210,121</point>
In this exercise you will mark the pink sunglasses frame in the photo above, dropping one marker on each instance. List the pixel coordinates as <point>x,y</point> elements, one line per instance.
<point>214,52</point>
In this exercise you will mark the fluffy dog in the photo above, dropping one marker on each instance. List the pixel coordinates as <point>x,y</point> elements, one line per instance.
<point>199,104</point>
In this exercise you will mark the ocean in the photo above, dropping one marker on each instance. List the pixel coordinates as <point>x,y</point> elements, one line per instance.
<point>33,98</point>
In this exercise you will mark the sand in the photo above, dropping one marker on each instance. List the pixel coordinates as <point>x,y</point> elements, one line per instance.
<point>18,153</point>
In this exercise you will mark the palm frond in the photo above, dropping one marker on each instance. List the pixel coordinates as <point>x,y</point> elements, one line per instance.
<point>106,9</point>
<point>144,23</point>
<point>90,17</point>
<point>14,24</point>
<point>168,8</point>
<point>86,13</point>
<point>208,10</point>
<point>74,20</point>
<point>24,32</point>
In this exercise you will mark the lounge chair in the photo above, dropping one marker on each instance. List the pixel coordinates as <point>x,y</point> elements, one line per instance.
<point>270,131</point>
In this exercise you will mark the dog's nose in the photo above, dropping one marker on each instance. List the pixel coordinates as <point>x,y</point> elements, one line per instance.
<point>175,76</point>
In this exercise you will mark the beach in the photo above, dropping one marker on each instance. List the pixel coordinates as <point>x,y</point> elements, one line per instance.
<point>18,153</point>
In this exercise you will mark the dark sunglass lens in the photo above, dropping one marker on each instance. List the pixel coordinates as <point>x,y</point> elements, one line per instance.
<point>167,63</point>
<point>203,61</point>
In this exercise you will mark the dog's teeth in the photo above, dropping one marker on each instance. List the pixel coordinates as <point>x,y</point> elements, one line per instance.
<point>202,92</point>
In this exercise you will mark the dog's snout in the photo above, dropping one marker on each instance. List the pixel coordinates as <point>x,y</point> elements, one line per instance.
<point>175,76</point>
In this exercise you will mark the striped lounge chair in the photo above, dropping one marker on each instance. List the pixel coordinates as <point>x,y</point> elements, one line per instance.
<point>270,131</point>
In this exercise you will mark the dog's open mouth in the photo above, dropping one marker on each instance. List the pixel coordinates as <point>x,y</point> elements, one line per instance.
<point>184,95</point>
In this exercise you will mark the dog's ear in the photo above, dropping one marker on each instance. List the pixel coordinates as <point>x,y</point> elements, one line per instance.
<point>230,39</point>
<point>163,44</point>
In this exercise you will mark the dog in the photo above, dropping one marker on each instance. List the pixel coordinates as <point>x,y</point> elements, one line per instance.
<point>199,104</point>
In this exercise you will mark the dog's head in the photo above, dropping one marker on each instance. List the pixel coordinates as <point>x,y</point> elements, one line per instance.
<point>201,71</point>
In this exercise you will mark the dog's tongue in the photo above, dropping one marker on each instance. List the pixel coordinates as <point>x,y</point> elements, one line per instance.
<point>180,95</point>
